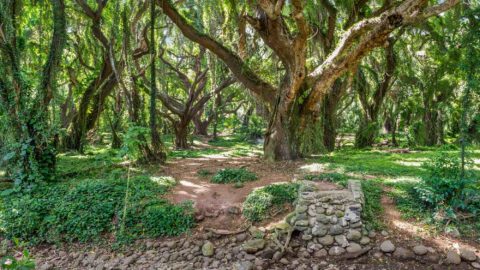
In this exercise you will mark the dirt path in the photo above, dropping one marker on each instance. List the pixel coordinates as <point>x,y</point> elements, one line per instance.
<point>411,233</point>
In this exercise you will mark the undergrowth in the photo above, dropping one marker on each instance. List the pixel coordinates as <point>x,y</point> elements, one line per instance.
<point>89,209</point>
<point>233,175</point>
<point>337,178</point>
<point>259,202</point>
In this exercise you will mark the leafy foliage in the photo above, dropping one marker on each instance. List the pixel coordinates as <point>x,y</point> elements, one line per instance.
<point>233,175</point>
<point>86,210</point>
<point>444,190</point>
<point>258,204</point>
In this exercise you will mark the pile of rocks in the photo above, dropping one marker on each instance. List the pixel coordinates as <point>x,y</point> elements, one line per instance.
<point>330,221</point>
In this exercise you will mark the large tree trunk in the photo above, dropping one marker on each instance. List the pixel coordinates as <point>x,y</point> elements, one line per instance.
<point>181,135</point>
<point>201,126</point>
<point>281,140</point>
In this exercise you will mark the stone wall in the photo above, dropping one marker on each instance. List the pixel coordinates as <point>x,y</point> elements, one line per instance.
<point>330,221</point>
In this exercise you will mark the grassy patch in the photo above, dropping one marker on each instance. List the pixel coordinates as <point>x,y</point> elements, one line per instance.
<point>87,210</point>
<point>260,202</point>
<point>233,175</point>
<point>372,190</point>
<point>337,178</point>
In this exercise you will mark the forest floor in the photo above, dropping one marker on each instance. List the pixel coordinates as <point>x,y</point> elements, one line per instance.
<point>394,169</point>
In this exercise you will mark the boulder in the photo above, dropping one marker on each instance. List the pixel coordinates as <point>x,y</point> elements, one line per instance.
<point>453,257</point>
<point>468,255</point>
<point>420,250</point>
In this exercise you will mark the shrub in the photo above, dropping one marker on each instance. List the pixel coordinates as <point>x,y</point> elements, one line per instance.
<point>259,202</point>
<point>86,210</point>
<point>445,190</point>
<point>233,175</point>
<point>372,209</point>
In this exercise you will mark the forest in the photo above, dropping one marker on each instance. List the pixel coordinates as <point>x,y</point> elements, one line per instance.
<point>239,134</point>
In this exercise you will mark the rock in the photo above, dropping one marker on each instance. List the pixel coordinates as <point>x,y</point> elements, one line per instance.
<point>452,231</point>
<point>233,210</point>
<point>420,250</point>
<point>476,265</point>
<point>320,253</point>
<point>335,251</point>
<point>277,256</point>
<point>453,257</point>
<point>354,235</point>
<point>468,255</point>
<point>267,253</point>
<point>353,248</point>
<point>284,261</point>
<point>256,232</point>
<point>432,257</point>
<point>301,209</point>
<point>387,246</point>
<point>365,240</point>
<point>307,237</point>
<point>334,220</point>
<point>241,237</point>
<point>336,229</point>
<point>327,240</point>
<point>403,254</point>
<point>208,249</point>
<point>323,219</point>
<point>302,223</point>
<point>341,240</point>
<point>372,234</point>
<point>319,230</point>
<point>243,265</point>
<point>253,245</point>
<point>384,233</point>
<point>46,266</point>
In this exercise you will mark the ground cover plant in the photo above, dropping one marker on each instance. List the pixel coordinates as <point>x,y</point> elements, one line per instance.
<point>233,175</point>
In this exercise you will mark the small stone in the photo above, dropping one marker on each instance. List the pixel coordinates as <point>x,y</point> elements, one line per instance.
<point>341,240</point>
<point>452,231</point>
<point>453,257</point>
<point>330,211</point>
<point>284,261</point>
<point>233,210</point>
<point>420,250</point>
<point>356,225</point>
<point>334,220</point>
<point>301,209</point>
<point>335,251</point>
<point>387,246</point>
<point>323,219</point>
<point>243,265</point>
<point>253,245</point>
<point>307,237</point>
<point>384,233</point>
<point>365,240</point>
<point>302,223</point>
<point>342,222</point>
<point>277,256</point>
<point>403,254</point>
<point>476,265</point>
<point>256,232</point>
<point>354,235</point>
<point>319,230</point>
<point>208,249</point>
<point>339,213</point>
<point>327,240</point>
<point>241,237</point>
<point>468,255</point>
<point>336,229</point>
<point>372,234</point>
<point>353,248</point>
<point>320,210</point>
<point>320,253</point>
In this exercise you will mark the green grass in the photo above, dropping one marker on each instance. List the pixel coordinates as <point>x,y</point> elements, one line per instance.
<point>233,175</point>
<point>262,202</point>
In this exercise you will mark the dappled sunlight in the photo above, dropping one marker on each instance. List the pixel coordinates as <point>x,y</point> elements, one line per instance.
<point>315,167</point>
<point>166,181</point>
<point>409,163</point>
<point>401,179</point>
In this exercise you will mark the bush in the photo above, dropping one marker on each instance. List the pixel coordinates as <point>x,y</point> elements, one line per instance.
<point>445,190</point>
<point>259,202</point>
<point>86,210</point>
<point>233,175</point>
